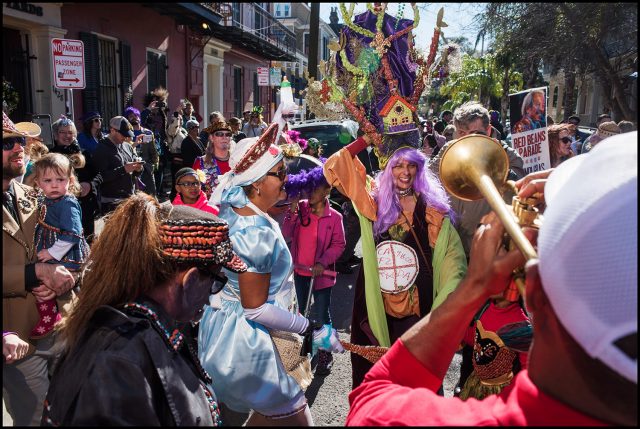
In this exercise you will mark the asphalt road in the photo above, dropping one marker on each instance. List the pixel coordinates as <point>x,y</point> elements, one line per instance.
<point>327,395</point>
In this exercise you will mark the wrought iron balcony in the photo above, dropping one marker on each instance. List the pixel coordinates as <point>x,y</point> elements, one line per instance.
<point>254,28</point>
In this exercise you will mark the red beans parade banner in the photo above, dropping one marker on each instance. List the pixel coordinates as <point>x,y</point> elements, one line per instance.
<point>529,128</point>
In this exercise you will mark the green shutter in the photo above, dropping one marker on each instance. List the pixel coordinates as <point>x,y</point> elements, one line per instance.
<point>91,92</point>
<point>152,71</point>
<point>162,70</point>
<point>125,74</point>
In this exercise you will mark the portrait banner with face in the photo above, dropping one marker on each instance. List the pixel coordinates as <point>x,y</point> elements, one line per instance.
<point>529,128</point>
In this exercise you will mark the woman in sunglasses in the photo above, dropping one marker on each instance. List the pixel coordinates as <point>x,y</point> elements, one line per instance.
<point>189,192</point>
<point>215,161</point>
<point>560,140</point>
<point>235,344</point>
<point>91,132</point>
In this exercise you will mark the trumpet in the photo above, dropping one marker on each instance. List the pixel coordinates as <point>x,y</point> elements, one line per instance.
<point>477,166</point>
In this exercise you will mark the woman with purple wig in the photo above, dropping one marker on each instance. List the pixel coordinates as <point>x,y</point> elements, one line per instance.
<point>412,255</point>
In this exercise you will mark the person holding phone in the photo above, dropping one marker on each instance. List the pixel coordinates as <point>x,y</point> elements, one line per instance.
<point>117,164</point>
<point>144,143</point>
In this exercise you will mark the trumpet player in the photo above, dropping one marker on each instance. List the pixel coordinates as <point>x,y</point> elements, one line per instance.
<point>581,293</point>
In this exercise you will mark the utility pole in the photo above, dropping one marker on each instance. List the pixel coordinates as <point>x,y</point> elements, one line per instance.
<point>314,30</point>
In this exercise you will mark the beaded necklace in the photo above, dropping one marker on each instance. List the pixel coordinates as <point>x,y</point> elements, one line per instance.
<point>404,193</point>
<point>175,341</point>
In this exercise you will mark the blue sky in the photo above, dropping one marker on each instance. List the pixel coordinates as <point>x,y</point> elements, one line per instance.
<point>457,15</point>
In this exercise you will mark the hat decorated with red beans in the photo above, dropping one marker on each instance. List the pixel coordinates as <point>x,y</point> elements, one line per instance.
<point>194,236</point>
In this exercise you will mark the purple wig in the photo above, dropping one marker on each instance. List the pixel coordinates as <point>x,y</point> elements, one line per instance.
<point>302,184</point>
<point>129,110</point>
<point>426,185</point>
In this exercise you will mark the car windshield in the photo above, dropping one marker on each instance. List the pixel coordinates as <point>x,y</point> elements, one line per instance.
<point>333,137</point>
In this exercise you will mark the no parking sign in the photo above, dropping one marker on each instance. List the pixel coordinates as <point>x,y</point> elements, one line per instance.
<point>68,63</point>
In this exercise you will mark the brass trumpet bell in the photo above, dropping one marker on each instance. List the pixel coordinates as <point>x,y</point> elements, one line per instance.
<point>468,155</point>
<point>476,166</point>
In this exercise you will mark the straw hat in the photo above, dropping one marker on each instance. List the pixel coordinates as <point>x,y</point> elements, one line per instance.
<point>608,129</point>
<point>21,129</point>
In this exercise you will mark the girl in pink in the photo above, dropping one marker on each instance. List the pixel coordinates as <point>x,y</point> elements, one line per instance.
<point>315,236</point>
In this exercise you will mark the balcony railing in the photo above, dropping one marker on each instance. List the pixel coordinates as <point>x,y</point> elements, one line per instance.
<point>257,22</point>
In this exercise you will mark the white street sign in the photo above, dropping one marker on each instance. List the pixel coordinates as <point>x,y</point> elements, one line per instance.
<point>263,76</point>
<point>68,63</point>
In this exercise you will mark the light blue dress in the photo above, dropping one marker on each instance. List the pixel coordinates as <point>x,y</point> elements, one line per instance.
<point>238,353</point>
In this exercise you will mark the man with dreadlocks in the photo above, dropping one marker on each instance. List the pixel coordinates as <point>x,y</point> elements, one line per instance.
<point>412,255</point>
<point>130,356</point>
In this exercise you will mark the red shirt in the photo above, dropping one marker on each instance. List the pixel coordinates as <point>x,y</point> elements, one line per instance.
<point>223,166</point>
<point>399,391</point>
<point>307,242</point>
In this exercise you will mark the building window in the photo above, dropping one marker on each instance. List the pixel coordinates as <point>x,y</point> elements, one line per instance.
<point>555,97</point>
<point>236,11</point>
<point>156,69</point>
<point>237,91</point>
<point>325,48</point>
<point>282,10</point>
<point>108,84</point>
<point>305,44</point>
<point>256,90</point>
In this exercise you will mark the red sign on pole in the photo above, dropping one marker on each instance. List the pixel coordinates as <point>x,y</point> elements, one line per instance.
<point>68,63</point>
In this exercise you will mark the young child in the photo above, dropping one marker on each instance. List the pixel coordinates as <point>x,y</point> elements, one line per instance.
<point>315,235</point>
<point>59,236</point>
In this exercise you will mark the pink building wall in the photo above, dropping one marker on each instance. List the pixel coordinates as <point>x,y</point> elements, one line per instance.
<point>249,63</point>
<point>141,28</point>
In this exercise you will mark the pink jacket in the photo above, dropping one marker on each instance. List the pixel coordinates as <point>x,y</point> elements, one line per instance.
<point>331,241</point>
<point>201,204</point>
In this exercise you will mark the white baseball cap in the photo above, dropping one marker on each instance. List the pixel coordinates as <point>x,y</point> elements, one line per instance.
<point>588,249</point>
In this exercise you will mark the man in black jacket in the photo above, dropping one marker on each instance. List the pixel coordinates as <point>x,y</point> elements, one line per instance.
<point>116,161</point>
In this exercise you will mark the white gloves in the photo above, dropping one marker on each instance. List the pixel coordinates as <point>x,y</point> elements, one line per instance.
<point>326,338</point>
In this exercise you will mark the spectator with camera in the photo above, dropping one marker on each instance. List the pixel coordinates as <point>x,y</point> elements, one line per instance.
<point>145,149</point>
<point>117,163</point>
<point>154,117</point>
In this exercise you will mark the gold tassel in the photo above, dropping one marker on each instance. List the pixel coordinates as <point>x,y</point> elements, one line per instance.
<point>475,388</point>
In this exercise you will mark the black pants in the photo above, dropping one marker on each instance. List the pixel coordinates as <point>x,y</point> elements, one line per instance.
<point>89,206</point>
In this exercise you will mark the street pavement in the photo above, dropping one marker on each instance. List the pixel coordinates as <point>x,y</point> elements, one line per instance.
<point>328,396</point>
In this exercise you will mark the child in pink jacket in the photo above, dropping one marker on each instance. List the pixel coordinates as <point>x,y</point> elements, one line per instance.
<point>315,235</point>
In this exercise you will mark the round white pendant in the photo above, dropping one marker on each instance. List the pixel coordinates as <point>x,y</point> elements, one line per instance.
<point>397,266</point>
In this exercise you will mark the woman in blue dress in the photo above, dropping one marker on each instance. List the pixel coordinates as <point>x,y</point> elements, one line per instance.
<point>235,344</point>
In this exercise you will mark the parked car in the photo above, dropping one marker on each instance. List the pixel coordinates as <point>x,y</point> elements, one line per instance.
<point>332,135</point>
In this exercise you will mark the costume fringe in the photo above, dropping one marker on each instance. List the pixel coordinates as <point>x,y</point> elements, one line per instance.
<point>370,353</point>
<point>475,388</point>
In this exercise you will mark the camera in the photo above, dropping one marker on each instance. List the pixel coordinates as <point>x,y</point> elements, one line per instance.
<point>176,114</point>
<point>161,104</point>
<point>147,138</point>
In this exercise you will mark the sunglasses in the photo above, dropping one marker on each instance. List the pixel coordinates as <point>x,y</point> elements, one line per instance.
<point>566,140</point>
<point>280,174</point>
<point>218,281</point>
<point>222,134</point>
<point>97,120</point>
<point>9,142</point>
<point>189,184</point>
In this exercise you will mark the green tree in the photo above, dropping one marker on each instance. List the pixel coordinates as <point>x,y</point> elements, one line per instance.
<point>480,79</point>
<point>598,38</point>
